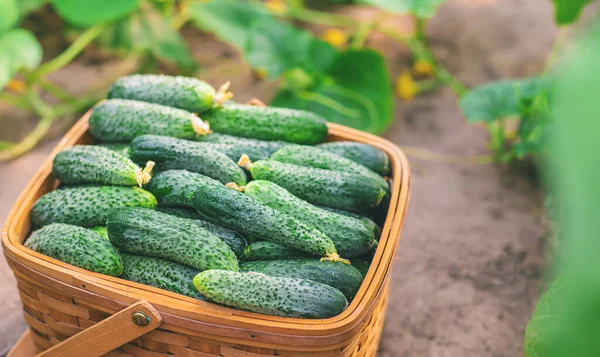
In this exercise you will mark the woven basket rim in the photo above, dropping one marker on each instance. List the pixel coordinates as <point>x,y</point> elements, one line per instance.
<point>124,291</point>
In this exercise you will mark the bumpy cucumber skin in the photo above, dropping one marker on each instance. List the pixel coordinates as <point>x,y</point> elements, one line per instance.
<point>269,147</point>
<point>271,295</point>
<point>77,246</point>
<point>155,234</point>
<point>341,276</point>
<point>160,273</point>
<point>265,250</point>
<point>233,239</point>
<point>311,156</point>
<point>180,92</point>
<point>89,164</point>
<point>350,236</point>
<point>268,123</point>
<point>122,120</point>
<point>246,214</point>
<point>364,154</point>
<point>87,206</point>
<point>369,223</point>
<point>361,265</point>
<point>235,151</point>
<point>341,190</point>
<point>176,187</point>
<point>102,231</point>
<point>119,148</point>
<point>178,154</point>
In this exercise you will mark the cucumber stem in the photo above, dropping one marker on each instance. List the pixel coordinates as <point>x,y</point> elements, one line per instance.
<point>223,94</point>
<point>200,127</point>
<point>143,176</point>
<point>335,257</point>
<point>234,186</point>
<point>244,162</point>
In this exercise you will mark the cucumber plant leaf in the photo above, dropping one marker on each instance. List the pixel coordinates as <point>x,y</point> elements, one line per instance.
<point>19,49</point>
<point>500,99</point>
<point>276,47</point>
<point>9,14</point>
<point>567,11</point>
<point>419,8</point>
<point>149,30</point>
<point>356,91</point>
<point>85,13</point>
<point>230,21</point>
<point>573,312</point>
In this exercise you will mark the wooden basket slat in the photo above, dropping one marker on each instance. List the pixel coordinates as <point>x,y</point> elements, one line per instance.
<point>61,300</point>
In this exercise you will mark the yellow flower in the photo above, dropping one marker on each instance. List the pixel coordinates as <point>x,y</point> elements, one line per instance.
<point>261,73</point>
<point>16,85</point>
<point>276,6</point>
<point>406,88</point>
<point>423,68</point>
<point>335,37</point>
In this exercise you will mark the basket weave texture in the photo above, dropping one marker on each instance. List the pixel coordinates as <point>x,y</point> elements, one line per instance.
<point>60,300</point>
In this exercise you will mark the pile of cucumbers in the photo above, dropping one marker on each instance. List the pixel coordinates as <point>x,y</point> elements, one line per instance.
<point>239,205</point>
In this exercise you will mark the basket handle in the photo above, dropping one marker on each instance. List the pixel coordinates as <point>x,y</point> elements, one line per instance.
<point>110,333</point>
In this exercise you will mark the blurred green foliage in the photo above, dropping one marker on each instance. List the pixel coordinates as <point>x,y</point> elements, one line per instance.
<point>567,319</point>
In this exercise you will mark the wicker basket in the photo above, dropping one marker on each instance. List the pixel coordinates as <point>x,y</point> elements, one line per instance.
<point>74,312</point>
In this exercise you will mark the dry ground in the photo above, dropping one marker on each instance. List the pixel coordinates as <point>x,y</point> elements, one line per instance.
<point>470,261</point>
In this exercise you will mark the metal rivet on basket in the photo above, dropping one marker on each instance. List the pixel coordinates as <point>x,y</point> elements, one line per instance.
<point>140,318</point>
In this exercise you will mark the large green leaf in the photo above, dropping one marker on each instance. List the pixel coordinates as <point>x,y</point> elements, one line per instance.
<point>9,14</point>
<point>419,8</point>
<point>356,93</point>
<point>229,20</point>
<point>19,49</point>
<point>567,11</point>
<point>149,30</point>
<point>573,322</point>
<point>86,13</point>
<point>500,99</point>
<point>276,47</point>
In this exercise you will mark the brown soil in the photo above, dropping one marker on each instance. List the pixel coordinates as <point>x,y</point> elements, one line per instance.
<point>471,258</point>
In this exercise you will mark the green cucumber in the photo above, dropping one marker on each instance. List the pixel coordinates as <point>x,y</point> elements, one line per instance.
<point>265,250</point>
<point>235,151</point>
<point>350,236</point>
<point>269,147</point>
<point>178,154</point>
<point>87,206</point>
<point>361,265</point>
<point>89,164</point>
<point>122,120</point>
<point>246,214</point>
<point>268,123</point>
<point>160,273</point>
<point>186,93</point>
<point>271,295</point>
<point>181,212</point>
<point>234,240</point>
<point>151,233</point>
<point>341,190</point>
<point>77,246</point>
<point>367,155</point>
<point>343,277</point>
<point>102,231</point>
<point>311,156</point>
<point>119,148</point>
<point>366,220</point>
<point>176,187</point>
